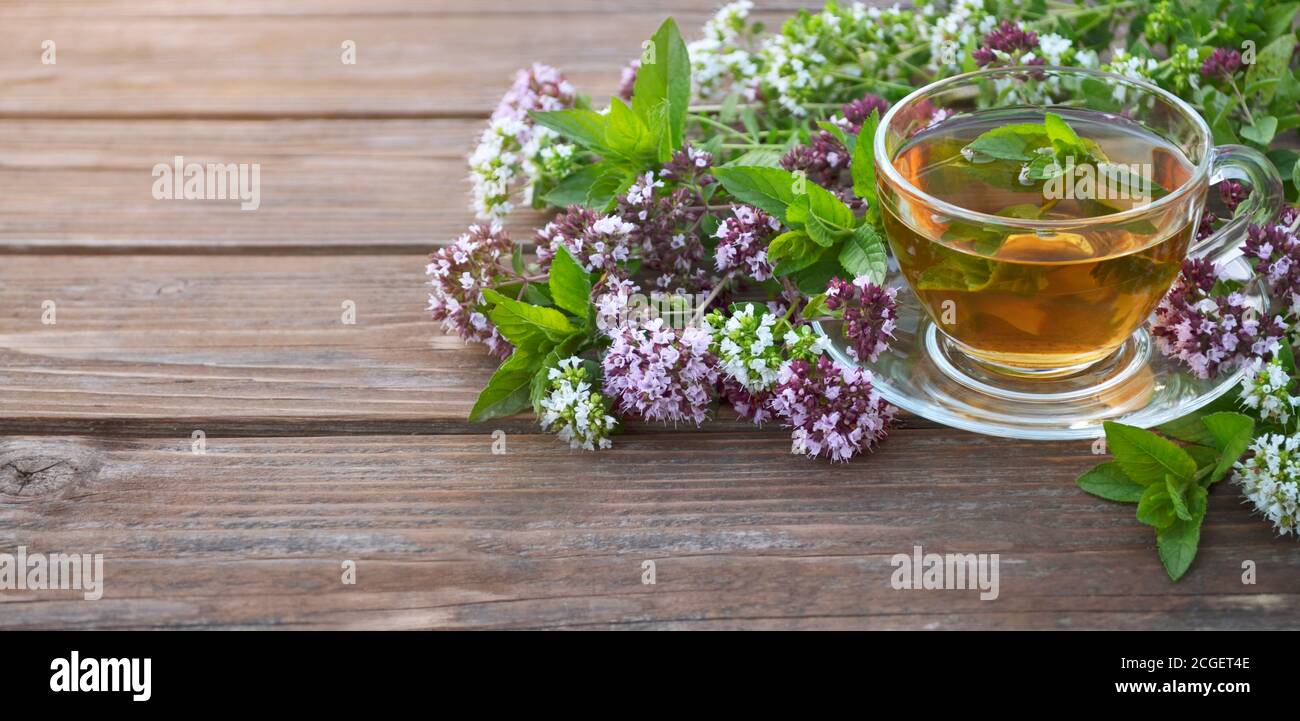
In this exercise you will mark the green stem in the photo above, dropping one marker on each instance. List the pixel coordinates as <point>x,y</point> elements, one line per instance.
<point>720,126</point>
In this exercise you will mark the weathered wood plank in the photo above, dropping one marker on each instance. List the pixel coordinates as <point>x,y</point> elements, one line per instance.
<point>436,59</point>
<point>446,534</point>
<point>242,344</point>
<point>326,186</point>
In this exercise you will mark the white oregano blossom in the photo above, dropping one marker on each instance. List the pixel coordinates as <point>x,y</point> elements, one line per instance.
<point>745,347</point>
<point>1265,389</point>
<point>573,411</point>
<point>1270,480</point>
<point>722,58</point>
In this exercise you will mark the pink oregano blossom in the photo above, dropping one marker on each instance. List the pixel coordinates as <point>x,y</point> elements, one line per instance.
<point>458,273</point>
<point>834,410</point>
<point>1210,332</point>
<point>660,374</point>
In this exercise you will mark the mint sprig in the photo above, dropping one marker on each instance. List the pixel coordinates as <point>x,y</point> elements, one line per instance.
<point>1169,477</point>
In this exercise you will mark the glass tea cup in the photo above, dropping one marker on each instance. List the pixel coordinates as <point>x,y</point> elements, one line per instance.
<point>1025,266</point>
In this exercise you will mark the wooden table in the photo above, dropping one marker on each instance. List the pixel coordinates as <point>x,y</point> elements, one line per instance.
<point>327,442</point>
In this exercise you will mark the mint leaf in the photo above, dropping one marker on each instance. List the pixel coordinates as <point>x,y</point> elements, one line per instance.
<point>1177,543</point>
<point>529,327</point>
<point>570,285</point>
<point>574,189</point>
<point>863,164</point>
<point>829,219</point>
<point>1145,456</point>
<point>1232,433</point>
<point>507,392</point>
<point>1155,507</point>
<point>864,254</point>
<point>1176,498</point>
<point>1262,131</point>
<point>1108,481</point>
<point>582,126</point>
<point>769,189</point>
<point>627,136</point>
<point>1009,142</point>
<point>665,75</point>
<point>1059,132</point>
<point>792,251</point>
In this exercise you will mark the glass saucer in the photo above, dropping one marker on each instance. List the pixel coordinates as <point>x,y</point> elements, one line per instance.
<point>1137,385</point>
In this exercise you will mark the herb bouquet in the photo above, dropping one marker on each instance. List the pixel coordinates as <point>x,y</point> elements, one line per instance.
<point>725,201</point>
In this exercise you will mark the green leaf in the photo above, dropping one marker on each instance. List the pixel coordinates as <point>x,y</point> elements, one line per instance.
<point>769,189</point>
<point>1145,456</point>
<point>759,157</point>
<point>816,304</point>
<point>791,252</point>
<point>507,393</point>
<point>584,127</point>
<point>1155,507</point>
<point>627,136</point>
<point>1060,132</point>
<point>863,164</point>
<point>864,254</point>
<point>1175,491</point>
<point>1232,433</point>
<point>1177,543</point>
<point>574,189</point>
<point>1262,131</point>
<point>530,327</point>
<point>517,259</point>
<point>1009,142</point>
<point>813,279</point>
<point>1271,63</point>
<point>665,75</point>
<point>613,181</point>
<point>829,219</point>
<point>570,285</point>
<point>1108,481</point>
<point>835,131</point>
<point>1295,178</point>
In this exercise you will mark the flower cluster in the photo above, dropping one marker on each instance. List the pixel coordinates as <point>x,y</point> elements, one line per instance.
<point>724,56</point>
<point>870,315</point>
<point>1266,389</point>
<point>745,347</point>
<point>458,273</point>
<point>664,224</point>
<point>1270,479</point>
<point>660,374</point>
<point>573,411</point>
<point>1008,44</point>
<point>808,61</point>
<point>598,242</point>
<point>834,410</point>
<point>824,159</point>
<point>513,144</point>
<point>1223,62</point>
<point>1209,332</point>
<point>742,242</point>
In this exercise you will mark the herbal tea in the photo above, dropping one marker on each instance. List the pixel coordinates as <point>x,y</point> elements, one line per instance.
<point>1038,300</point>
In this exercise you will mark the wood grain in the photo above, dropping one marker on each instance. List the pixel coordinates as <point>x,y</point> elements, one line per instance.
<point>437,59</point>
<point>338,186</point>
<point>252,534</point>
<point>328,442</point>
<point>244,344</point>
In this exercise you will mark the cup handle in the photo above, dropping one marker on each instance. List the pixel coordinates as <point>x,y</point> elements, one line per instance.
<point>1238,162</point>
